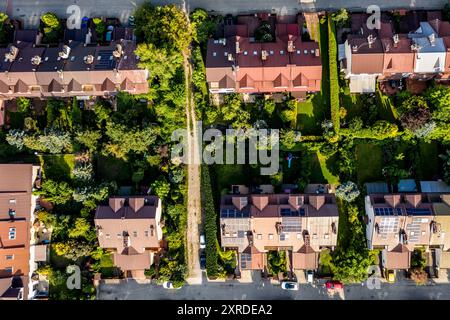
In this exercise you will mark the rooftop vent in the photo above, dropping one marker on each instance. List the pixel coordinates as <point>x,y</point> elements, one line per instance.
<point>89,59</point>
<point>11,55</point>
<point>223,41</point>
<point>230,57</point>
<point>264,55</point>
<point>415,47</point>
<point>355,48</point>
<point>64,53</point>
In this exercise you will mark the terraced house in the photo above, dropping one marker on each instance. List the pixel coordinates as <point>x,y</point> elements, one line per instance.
<point>75,68</point>
<point>301,224</point>
<point>130,228</point>
<point>283,60</point>
<point>398,223</point>
<point>17,206</point>
<point>418,48</point>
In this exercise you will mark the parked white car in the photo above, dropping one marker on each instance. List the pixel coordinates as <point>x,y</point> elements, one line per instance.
<point>289,285</point>
<point>202,241</point>
<point>310,276</point>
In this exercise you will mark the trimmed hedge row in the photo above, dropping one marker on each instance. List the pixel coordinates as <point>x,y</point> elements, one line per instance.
<point>210,223</point>
<point>334,74</point>
<point>381,130</point>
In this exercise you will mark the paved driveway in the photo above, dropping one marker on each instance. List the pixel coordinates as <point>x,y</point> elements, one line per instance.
<point>31,10</point>
<point>403,290</point>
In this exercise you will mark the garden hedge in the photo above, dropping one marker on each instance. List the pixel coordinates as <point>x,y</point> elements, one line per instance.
<point>334,74</point>
<point>210,223</point>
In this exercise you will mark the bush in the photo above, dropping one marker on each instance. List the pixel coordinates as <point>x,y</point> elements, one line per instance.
<point>210,224</point>
<point>347,191</point>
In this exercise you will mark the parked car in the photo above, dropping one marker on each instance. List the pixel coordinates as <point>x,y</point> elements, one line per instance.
<point>169,285</point>
<point>310,276</point>
<point>203,260</point>
<point>334,285</point>
<point>390,276</point>
<point>202,241</point>
<point>289,285</point>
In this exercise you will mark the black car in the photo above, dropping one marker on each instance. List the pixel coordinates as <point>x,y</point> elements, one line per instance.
<point>202,260</point>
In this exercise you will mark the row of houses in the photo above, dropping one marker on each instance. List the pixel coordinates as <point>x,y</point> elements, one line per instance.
<point>239,62</point>
<point>305,224</point>
<point>23,245</point>
<point>418,49</point>
<point>74,68</point>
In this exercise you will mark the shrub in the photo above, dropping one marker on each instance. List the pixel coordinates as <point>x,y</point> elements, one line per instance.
<point>347,191</point>
<point>210,223</point>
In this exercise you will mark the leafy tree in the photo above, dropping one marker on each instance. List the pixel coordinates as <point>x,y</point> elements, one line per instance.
<point>124,140</point>
<point>23,104</point>
<point>83,172</point>
<point>289,115</point>
<point>289,138</point>
<point>55,192</point>
<point>100,26</point>
<point>347,191</point>
<point>203,24</point>
<point>88,139</point>
<point>446,165</point>
<point>161,188</point>
<point>3,18</point>
<point>232,111</point>
<point>16,138</point>
<point>264,32</point>
<point>72,249</point>
<point>340,17</point>
<point>165,26</point>
<point>269,106</point>
<point>277,262</point>
<point>51,21</point>
<point>161,63</point>
<point>81,228</point>
<point>419,276</point>
<point>415,119</point>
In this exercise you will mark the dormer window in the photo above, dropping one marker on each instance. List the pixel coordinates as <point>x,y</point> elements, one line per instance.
<point>12,201</point>
<point>255,53</point>
<point>225,54</point>
<point>12,234</point>
<point>281,52</point>
<point>299,52</point>
<point>214,54</point>
<point>245,53</point>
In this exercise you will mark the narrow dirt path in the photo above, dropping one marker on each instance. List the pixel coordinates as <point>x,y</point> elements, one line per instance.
<point>194,211</point>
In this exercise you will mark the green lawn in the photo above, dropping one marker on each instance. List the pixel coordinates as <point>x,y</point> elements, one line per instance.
<point>322,169</point>
<point>58,167</point>
<point>112,169</point>
<point>312,112</point>
<point>369,159</point>
<point>228,174</point>
<point>429,161</point>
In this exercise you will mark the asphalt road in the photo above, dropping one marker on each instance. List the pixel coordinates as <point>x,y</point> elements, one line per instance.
<point>31,10</point>
<point>404,290</point>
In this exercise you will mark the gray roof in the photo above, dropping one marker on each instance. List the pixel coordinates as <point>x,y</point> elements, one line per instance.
<point>434,186</point>
<point>377,187</point>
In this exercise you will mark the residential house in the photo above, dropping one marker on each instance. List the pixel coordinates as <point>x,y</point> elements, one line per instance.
<point>398,223</point>
<point>239,63</point>
<point>130,227</point>
<point>71,69</point>
<point>430,51</point>
<point>302,224</point>
<point>17,206</point>
<point>419,51</point>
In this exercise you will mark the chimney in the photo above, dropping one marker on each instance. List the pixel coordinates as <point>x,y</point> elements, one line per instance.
<point>388,47</point>
<point>354,48</point>
<point>64,54</point>
<point>36,60</point>
<point>432,39</point>
<point>238,49</point>
<point>12,53</point>
<point>371,40</point>
<point>396,40</point>
<point>89,59</point>
<point>290,47</point>
<point>264,55</point>
<point>230,57</point>
<point>118,52</point>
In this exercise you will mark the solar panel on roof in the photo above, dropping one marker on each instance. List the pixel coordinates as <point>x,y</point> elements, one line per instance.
<point>418,211</point>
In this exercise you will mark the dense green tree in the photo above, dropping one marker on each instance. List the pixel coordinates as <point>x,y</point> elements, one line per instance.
<point>347,191</point>
<point>88,139</point>
<point>81,228</point>
<point>55,192</point>
<point>161,188</point>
